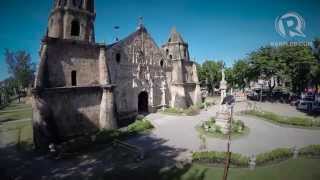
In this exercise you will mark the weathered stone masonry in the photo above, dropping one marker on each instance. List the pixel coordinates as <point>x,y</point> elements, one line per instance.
<point>82,86</point>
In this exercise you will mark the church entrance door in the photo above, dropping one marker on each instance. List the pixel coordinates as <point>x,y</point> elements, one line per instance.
<point>143,102</point>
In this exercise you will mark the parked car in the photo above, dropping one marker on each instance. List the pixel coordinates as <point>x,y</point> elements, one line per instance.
<point>294,100</point>
<point>316,106</point>
<point>305,104</point>
<point>255,95</point>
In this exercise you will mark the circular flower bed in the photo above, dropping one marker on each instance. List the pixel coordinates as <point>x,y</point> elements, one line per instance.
<point>210,128</point>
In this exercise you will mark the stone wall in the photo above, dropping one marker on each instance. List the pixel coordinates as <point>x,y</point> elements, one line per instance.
<point>74,111</point>
<point>64,56</point>
<point>136,64</point>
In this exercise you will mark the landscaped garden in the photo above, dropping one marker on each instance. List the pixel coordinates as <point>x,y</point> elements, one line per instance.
<point>293,169</point>
<point>191,111</point>
<point>211,129</point>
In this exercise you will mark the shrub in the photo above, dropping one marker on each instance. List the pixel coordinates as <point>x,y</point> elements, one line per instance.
<point>140,117</point>
<point>192,110</point>
<point>208,123</point>
<point>275,155</point>
<point>312,150</point>
<point>214,157</point>
<point>218,129</point>
<point>201,105</point>
<point>295,121</point>
<point>240,123</point>
<point>300,121</point>
<point>139,126</point>
<point>212,119</point>
<point>107,136</point>
<point>173,111</point>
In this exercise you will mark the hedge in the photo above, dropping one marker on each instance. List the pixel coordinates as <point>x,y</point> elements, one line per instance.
<point>191,111</point>
<point>310,151</point>
<point>139,126</point>
<point>295,121</point>
<point>274,155</point>
<point>215,157</point>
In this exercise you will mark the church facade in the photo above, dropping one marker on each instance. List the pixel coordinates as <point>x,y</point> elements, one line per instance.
<point>82,86</point>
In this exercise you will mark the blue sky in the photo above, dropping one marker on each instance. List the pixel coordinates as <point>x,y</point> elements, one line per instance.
<point>216,30</point>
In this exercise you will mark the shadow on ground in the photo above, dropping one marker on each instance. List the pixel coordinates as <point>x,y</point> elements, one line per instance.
<point>100,162</point>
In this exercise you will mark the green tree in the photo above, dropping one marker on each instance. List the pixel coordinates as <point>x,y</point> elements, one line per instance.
<point>264,64</point>
<point>230,77</point>
<point>316,46</point>
<point>298,61</point>
<point>21,70</point>
<point>315,70</point>
<point>210,74</point>
<point>241,73</point>
<point>20,67</point>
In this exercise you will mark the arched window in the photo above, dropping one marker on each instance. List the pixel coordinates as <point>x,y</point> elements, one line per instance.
<point>74,78</point>
<point>77,3</point>
<point>90,5</point>
<point>118,58</point>
<point>161,63</point>
<point>75,28</point>
<point>170,56</point>
<point>167,52</point>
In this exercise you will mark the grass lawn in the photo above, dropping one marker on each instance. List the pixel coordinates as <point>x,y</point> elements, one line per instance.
<point>299,122</point>
<point>15,124</point>
<point>306,169</point>
<point>15,111</point>
<point>300,169</point>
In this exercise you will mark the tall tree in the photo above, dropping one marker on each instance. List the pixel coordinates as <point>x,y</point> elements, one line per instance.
<point>210,74</point>
<point>241,73</point>
<point>20,67</point>
<point>316,46</point>
<point>264,64</point>
<point>298,62</point>
<point>315,70</point>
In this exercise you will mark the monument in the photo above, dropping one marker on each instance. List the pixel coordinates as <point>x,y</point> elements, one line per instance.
<point>224,114</point>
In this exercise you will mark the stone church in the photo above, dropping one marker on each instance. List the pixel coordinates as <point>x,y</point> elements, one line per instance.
<point>82,86</point>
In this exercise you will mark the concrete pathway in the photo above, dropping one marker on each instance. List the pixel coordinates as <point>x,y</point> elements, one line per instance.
<point>179,132</point>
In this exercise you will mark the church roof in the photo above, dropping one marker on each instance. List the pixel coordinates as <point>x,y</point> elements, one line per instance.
<point>175,37</point>
<point>139,30</point>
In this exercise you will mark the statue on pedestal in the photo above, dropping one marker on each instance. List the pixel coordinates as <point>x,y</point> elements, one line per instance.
<point>224,113</point>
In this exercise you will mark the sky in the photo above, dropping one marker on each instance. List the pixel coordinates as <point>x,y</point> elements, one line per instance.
<point>215,30</point>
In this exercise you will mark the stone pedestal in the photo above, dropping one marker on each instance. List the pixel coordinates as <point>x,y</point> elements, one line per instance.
<point>223,119</point>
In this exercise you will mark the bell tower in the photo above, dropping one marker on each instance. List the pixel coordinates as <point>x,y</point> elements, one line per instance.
<point>72,19</point>
<point>176,48</point>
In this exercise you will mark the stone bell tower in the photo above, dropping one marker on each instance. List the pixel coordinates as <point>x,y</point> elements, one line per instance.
<point>176,51</point>
<point>72,19</point>
<point>72,94</point>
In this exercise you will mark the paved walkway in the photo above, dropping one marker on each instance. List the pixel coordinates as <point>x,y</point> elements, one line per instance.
<point>179,132</point>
